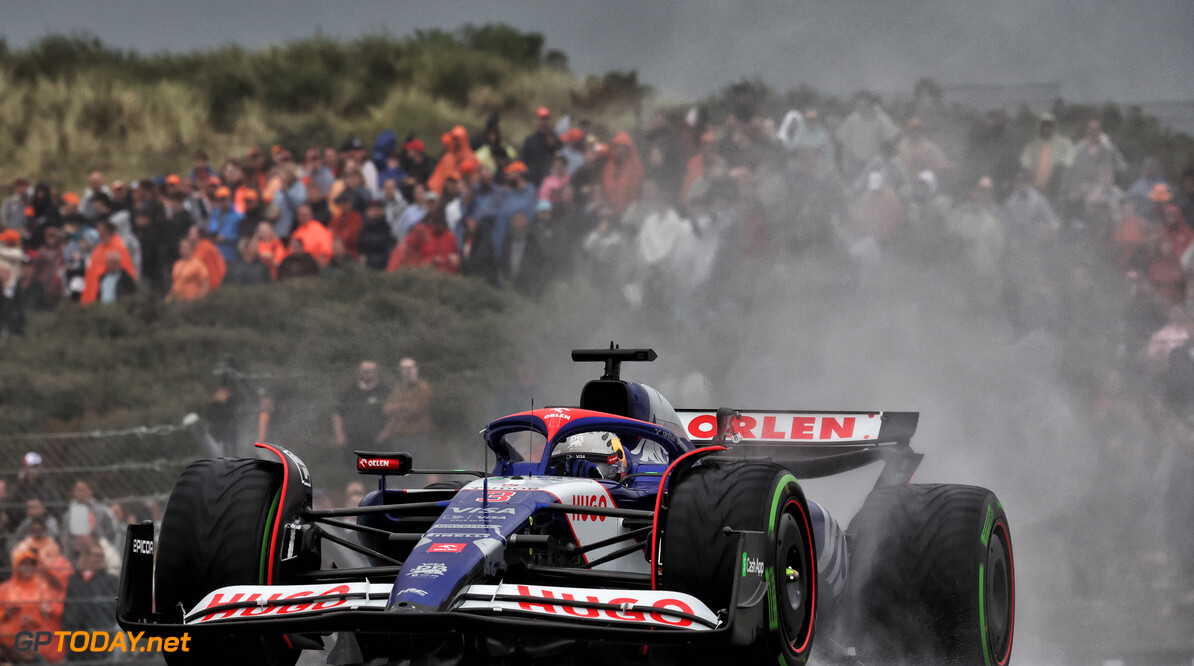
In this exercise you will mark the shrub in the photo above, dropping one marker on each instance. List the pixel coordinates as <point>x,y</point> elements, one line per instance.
<point>139,362</point>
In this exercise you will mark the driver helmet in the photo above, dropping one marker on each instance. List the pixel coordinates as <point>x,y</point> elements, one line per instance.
<point>600,448</point>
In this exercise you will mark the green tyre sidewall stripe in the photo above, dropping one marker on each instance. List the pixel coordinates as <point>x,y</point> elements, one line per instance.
<point>772,601</point>
<point>269,528</point>
<point>982,611</point>
<point>271,515</point>
<point>772,607</point>
<point>985,538</point>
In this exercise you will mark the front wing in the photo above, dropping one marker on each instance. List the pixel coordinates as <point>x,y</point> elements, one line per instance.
<point>627,615</point>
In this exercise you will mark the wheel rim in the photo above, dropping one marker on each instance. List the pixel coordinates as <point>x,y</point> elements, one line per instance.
<point>794,578</point>
<point>1000,592</point>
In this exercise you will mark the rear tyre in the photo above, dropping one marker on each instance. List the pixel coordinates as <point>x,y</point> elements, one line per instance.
<point>931,576</point>
<point>699,559</point>
<point>215,533</point>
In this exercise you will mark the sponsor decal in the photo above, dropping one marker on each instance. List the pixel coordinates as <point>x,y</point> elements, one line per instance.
<point>378,463</point>
<point>484,531</point>
<point>666,434</point>
<point>632,606</point>
<point>589,500</point>
<point>143,546</point>
<point>751,565</point>
<point>497,496</point>
<point>218,599</point>
<point>632,609</point>
<point>295,599</point>
<point>446,548</point>
<point>413,590</point>
<point>476,510</point>
<point>304,475</point>
<point>429,569</point>
<point>557,413</point>
<point>787,427</point>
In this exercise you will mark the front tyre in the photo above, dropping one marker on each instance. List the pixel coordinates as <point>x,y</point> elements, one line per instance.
<point>932,576</point>
<point>698,557</point>
<point>215,533</point>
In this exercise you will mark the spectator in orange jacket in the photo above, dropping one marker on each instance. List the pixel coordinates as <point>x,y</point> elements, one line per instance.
<point>456,152</point>
<point>108,242</point>
<point>191,279</point>
<point>346,225</point>
<point>270,249</point>
<point>30,601</point>
<point>207,252</point>
<point>430,243</point>
<point>623,173</point>
<point>408,253</point>
<point>317,240</point>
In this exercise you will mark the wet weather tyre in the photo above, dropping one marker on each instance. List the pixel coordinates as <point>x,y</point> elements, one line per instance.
<point>931,576</point>
<point>213,534</point>
<point>697,557</point>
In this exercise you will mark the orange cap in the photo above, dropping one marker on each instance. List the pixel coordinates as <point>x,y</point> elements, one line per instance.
<point>573,135</point>
<point>10,236</point>
<point>223,192</point>
<point>468,166</point>
<point>543,112</point>
<point>517,166</point>
<point>173,179</point>
<point>70,198</point>
<point>249,195</point>
<point>1160,193</point>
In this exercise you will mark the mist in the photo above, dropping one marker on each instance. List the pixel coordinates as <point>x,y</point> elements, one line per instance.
<point>1001,409</point>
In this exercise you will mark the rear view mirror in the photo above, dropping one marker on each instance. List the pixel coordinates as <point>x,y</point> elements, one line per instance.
<point>372,462</point>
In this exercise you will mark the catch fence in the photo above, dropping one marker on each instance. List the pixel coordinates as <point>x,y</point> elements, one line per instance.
<point>134,465</point>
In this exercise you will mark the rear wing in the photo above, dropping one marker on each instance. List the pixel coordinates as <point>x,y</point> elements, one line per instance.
<point>812,443</point>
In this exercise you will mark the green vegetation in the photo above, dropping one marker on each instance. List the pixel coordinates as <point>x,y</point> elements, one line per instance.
<point>144,362</point>
<point>72,104</point>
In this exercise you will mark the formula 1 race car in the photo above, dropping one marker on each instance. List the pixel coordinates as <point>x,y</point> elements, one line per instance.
<point>632,532</point>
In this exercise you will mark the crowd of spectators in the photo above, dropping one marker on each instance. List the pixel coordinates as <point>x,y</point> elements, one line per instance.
<point>652,216</point>
<point>62,559</point>
<point>657,215</point>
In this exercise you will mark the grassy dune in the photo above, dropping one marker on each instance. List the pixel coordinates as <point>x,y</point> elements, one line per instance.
<point>72,104</point>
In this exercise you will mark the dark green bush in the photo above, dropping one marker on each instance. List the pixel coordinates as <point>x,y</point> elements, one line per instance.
<point>137,362</point>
